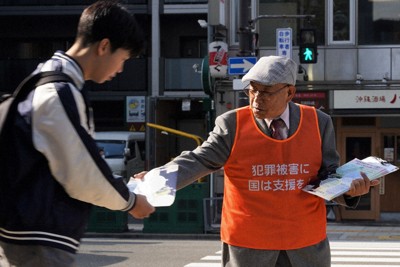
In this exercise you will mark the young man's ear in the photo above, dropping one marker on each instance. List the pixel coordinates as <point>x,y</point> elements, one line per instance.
<point>103,47</point>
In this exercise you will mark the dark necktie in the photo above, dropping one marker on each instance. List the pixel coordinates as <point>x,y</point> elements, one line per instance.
<point>277,128</point>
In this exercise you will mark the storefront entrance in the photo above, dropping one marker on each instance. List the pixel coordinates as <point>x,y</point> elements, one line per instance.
<point>360,138</point>
<point>360,144</point>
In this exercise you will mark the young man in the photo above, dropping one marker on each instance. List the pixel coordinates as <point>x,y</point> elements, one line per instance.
<point>51,169</point>
<point>267,220</point>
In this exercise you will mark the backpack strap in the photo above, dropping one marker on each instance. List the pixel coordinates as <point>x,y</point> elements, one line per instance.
<point>9,103</point>
<point>40,78</point>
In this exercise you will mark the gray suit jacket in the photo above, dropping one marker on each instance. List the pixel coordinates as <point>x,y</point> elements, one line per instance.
<point>215,151</point>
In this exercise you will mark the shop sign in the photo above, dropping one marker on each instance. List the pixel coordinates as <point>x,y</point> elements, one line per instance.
<point>366,99</point>
<point>315,99</point>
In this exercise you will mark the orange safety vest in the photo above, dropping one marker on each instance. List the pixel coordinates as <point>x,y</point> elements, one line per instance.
<point>264,206</point>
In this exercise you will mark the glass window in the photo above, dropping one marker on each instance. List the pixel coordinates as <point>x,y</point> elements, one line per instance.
<point>358,147</point>
<point>267,26</point>
<point>341,22</point>
<point>113,149</point>
<point>378,22</point>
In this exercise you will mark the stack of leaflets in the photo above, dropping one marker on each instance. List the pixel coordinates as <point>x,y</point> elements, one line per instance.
<point>339,183</point>
<point>158,185</point>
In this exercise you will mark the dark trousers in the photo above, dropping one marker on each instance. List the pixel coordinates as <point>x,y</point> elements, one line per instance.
<point>318,255</point>
<point>35,256</point>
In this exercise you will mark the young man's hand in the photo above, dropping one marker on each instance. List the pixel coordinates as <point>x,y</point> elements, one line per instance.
<point>139,175</point>
<point>142,208</point>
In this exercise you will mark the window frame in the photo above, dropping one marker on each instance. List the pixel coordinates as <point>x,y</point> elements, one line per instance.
<point>352,20</point>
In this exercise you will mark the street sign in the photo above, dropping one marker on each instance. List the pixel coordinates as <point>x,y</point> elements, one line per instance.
<point>284,42</point>
<point>240,65</point>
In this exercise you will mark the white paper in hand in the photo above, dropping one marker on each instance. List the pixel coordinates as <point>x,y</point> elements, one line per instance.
<point>158,185</point>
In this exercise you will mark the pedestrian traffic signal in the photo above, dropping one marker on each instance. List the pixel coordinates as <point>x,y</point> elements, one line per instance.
<point>308,54</point>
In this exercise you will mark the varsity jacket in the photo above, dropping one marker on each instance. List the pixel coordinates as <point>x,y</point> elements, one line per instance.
<point>51,172</point>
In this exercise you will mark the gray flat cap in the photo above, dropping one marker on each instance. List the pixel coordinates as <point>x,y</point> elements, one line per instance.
<point>271,70</point>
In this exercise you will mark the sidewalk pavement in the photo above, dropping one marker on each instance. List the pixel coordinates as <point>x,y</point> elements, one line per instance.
<point>354,232</point>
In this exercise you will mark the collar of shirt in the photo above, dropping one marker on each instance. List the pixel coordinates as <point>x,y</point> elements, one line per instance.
<point>284,116</point>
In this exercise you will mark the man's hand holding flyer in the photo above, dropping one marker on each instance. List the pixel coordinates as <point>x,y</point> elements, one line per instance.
<point>158,185</point>
<point>339,183</point>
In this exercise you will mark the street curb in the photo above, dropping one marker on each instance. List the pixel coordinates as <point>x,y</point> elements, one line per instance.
<point>139,235</point>
<point>332,227</point>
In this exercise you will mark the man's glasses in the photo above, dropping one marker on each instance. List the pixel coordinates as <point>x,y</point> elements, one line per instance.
<point>262,94</point>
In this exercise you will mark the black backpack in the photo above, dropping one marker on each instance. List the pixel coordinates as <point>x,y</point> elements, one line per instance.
<point>9,102</point>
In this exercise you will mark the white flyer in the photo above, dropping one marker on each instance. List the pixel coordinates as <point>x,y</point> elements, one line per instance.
<point>158,185</point>
<point>339,183</point>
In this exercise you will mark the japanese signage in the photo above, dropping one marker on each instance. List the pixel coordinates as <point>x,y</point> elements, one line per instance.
<point>313,98</point>
<point>284,42</point>
<point>276,172</point>
<point>366,99</point>
<point>218,59</point>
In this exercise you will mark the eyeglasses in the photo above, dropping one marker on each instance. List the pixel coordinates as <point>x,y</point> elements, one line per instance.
<point>262,94</point>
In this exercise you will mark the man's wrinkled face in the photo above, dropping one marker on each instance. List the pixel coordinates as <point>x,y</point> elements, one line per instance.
<point>268,102</point>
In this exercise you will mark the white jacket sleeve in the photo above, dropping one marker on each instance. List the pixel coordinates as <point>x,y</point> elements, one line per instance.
<point>66,145</point>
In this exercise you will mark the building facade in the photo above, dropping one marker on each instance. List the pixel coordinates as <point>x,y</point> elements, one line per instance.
<point>356,78</point>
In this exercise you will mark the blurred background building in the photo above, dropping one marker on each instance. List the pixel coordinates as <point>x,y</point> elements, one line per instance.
<point>187,75</point>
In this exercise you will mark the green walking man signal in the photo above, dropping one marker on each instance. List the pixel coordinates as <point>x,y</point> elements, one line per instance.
<point>308,53</point>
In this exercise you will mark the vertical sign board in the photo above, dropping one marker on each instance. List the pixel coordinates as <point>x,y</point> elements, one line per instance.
<point>218,59</point>
<point>284,42</point>
<point>135,109</point>
<point>136,113</point>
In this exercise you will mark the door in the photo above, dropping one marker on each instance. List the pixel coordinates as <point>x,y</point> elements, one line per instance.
<point>390,184</point>
<point>360,144</point>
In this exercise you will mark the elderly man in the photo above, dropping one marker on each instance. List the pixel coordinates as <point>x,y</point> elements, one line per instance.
<point>270,150</point>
